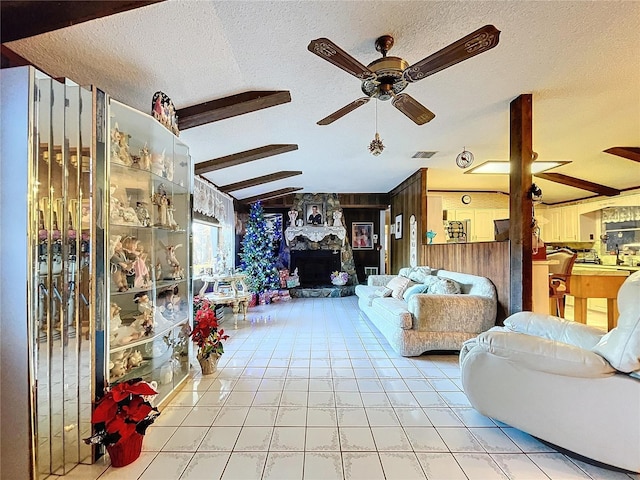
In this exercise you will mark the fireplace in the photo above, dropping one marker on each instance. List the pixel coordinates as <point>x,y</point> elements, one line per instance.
<point>315,266</point>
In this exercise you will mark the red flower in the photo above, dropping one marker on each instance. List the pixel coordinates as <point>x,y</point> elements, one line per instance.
<point>123,410</point>
<point>205,332</point>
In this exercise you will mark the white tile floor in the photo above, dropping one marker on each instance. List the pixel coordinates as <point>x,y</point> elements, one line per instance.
<point>309,389</point>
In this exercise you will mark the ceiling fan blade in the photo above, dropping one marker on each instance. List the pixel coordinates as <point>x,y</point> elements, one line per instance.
<point>412,108</point>
<point>480,41</point>
<point>326,49</point>
<point>343,111</point>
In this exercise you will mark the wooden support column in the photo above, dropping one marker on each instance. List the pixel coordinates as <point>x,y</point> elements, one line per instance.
<point>520,204</point>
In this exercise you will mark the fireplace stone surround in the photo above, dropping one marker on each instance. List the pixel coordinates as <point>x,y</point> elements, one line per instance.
<point>316,260</point>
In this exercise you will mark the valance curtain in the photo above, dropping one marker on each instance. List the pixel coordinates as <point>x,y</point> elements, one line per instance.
<point>211,202</point>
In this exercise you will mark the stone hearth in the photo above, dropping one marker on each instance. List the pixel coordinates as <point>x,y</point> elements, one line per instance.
<point>330,291</point>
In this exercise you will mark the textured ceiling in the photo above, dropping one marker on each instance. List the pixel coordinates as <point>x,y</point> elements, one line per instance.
<point>579,60</point>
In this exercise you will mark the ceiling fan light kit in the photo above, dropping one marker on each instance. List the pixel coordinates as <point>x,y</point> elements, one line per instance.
<point>386,78</point>
<point>376,147</point>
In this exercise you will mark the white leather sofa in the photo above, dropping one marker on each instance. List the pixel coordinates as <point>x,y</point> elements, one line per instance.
<point>430,321</point>
<point>564,382</point>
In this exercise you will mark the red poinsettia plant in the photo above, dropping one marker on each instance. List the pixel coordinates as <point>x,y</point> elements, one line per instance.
<point>123,410</point>
<point>205,333</point>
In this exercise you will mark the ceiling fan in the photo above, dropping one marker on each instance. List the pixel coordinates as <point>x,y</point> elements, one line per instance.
<point>386,77</point>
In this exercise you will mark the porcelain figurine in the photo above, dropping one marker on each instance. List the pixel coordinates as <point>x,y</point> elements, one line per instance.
<point>134,359</point>
<point>118,370</point>
<point>157,163</point>
<point>337,218</point>
<point>142,212</point>
<point>120,266</point>
<point>145,158</point>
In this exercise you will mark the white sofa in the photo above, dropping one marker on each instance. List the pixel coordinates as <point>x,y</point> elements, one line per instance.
<point>430,322</point>
<point>564,382</point>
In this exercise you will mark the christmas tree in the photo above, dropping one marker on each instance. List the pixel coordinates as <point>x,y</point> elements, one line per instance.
<point>257,255</point>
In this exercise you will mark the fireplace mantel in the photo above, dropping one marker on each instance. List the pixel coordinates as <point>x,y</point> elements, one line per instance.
<point>314,233</point>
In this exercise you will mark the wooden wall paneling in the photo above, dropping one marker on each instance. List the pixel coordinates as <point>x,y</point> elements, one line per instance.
<point>408,198</point>
<point>485,259</point>
<point>364,258</point>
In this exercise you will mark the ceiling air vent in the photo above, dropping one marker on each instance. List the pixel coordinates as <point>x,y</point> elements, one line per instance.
<point>423,154</point>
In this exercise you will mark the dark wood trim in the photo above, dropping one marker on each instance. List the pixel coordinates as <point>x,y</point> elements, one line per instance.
<point>12,59</point>
<point>26,19</point>
<point>243,157</point>
<point>422,225</point>
<point>630,153</point>
<point>227,107</point>
<point>520,203</point>
<point>268,195</point>
<point>252,182</point>
<point>578,183</point>
<point>373,201</point>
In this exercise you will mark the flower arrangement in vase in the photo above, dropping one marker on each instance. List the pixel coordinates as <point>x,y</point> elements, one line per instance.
<point>206,336</point>
<point>121,417</point>
<point>339,278</point>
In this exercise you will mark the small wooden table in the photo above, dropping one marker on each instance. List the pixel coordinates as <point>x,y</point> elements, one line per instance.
<point>597,284</point>
<point>228,290</point>
<point>237,302</point>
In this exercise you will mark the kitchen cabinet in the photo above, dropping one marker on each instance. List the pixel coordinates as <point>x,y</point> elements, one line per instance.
<point>481,227</point>
<point>569,223</point>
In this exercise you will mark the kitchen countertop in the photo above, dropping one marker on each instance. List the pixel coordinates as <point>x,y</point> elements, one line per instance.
<point>588,268</point>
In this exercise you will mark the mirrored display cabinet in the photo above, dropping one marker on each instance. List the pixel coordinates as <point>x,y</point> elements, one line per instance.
<point>106,263</point>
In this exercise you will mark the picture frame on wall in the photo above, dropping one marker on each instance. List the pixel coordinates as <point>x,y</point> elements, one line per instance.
<point>398,227</point>
<point>314,214</point>
<point>362,235</point>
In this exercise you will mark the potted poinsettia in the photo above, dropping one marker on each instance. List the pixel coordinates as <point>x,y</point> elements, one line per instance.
<point>121,417</point>
<point>206,335</point>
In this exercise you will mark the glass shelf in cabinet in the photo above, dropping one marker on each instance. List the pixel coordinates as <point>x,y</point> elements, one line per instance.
<point>155,335</point>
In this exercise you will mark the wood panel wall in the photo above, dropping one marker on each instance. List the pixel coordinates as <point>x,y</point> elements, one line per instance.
<point>408,198</point>
<point>378,201</point>
<point>485,259</point>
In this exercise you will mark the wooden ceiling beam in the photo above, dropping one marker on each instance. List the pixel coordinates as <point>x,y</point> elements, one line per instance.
<point>26,19</point>
<point>227,107</point>
<point>272,177</point>
<point>268,195</point>
<point>630,153</point>
<point>578,183</point>
<point>243,157</point>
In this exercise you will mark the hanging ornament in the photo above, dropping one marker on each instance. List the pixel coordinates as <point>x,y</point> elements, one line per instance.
<point>464,159</point>
<point>376,146</point>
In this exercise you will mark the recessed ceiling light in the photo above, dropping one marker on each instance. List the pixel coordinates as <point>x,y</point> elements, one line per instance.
<point>499,167</point>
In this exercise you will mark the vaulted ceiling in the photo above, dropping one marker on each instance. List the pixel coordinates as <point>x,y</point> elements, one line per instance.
<point>580,60</point>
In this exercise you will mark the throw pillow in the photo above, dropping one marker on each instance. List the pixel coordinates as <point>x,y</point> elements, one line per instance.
<point>383,292</point>
<point>398,285</point>
<point>412,290</point>
<point>444,286</point>
<point>416,274</point>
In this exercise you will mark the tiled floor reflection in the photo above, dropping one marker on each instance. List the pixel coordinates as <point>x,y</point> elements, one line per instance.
<point>308,389</point>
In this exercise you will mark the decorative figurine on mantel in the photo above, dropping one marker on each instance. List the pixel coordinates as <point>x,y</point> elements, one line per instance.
<point>293,215</point>
<point>337,218</point>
